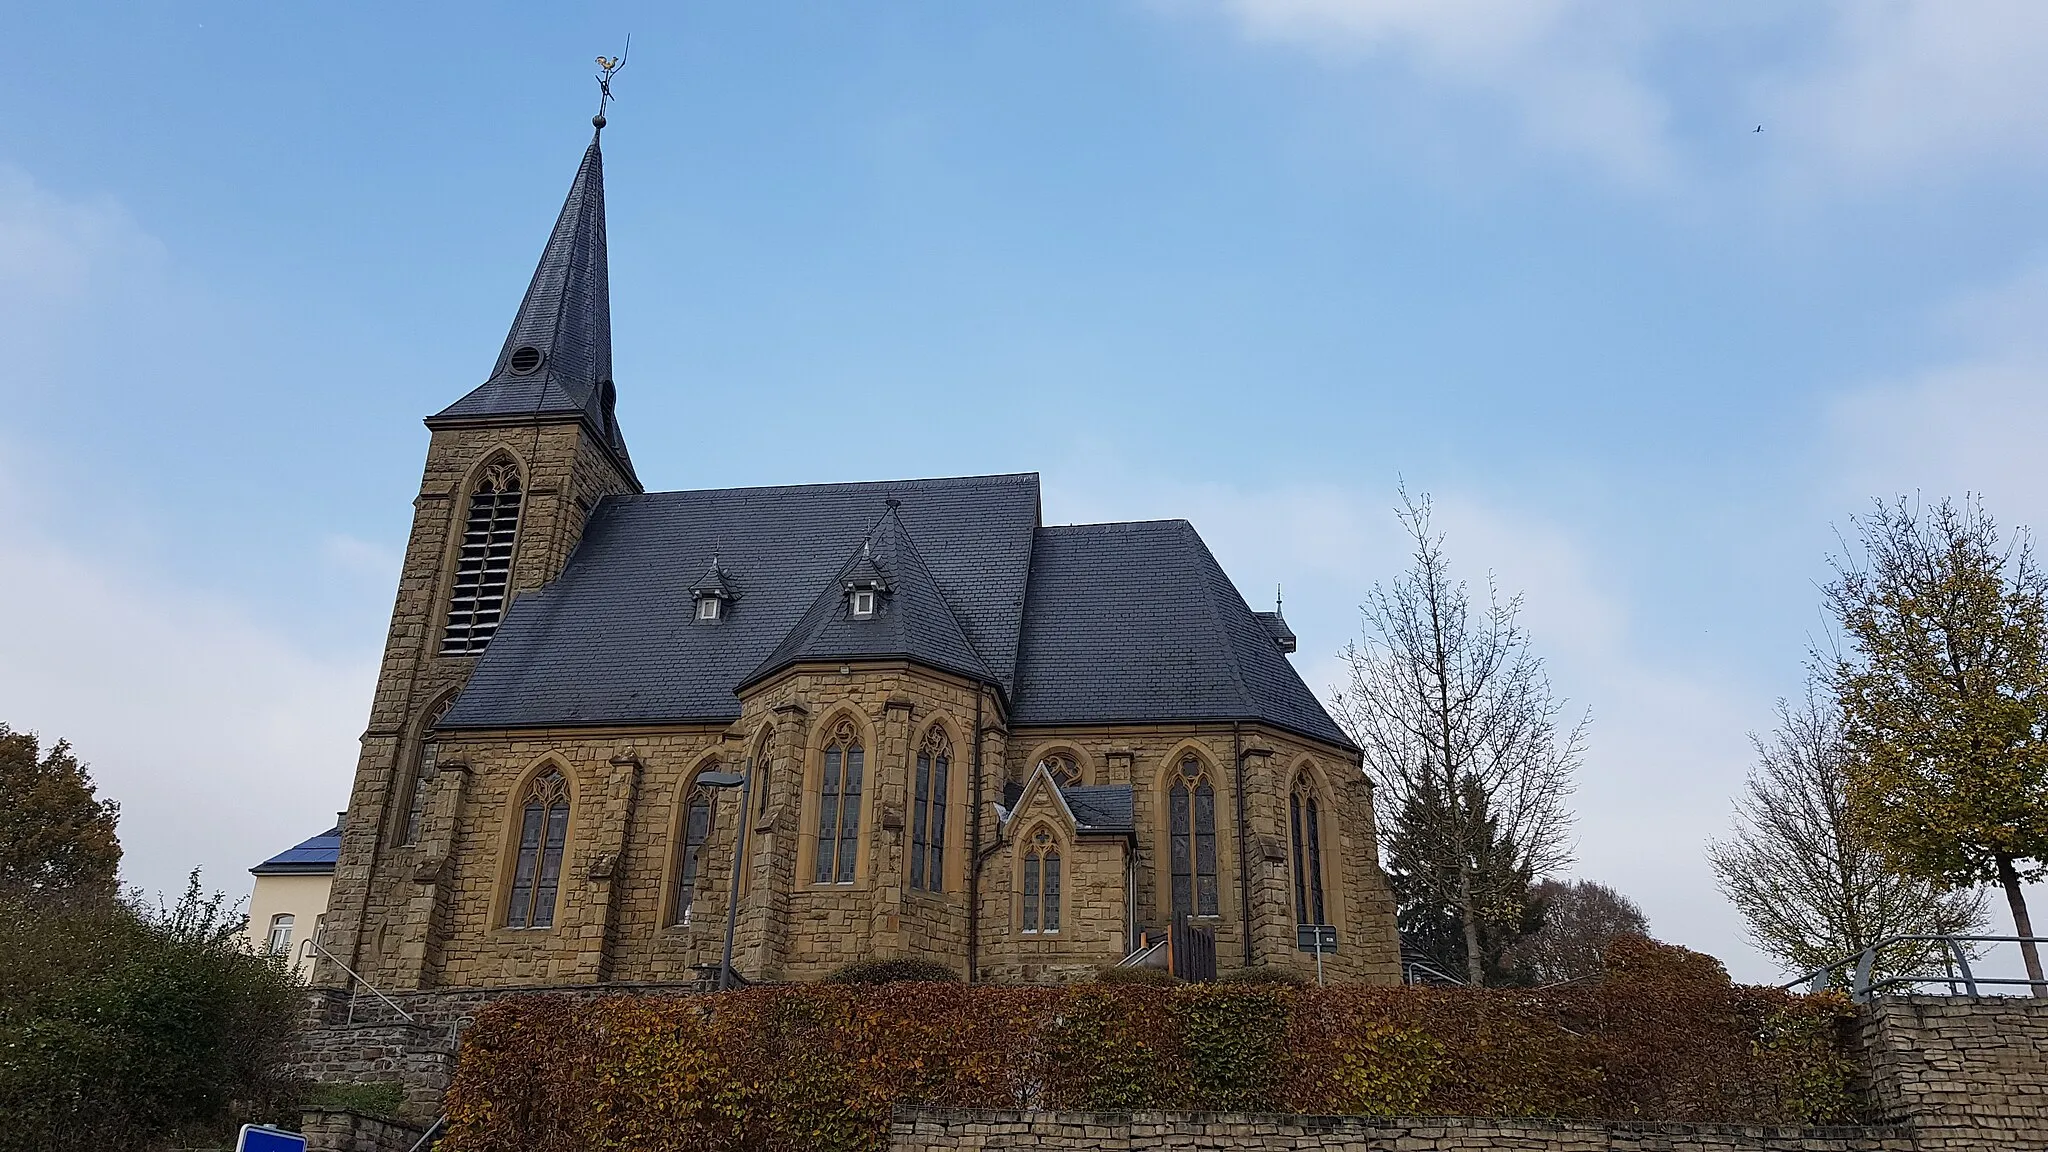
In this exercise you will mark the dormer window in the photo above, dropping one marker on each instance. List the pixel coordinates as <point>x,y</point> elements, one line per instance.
<point>864,602</point>
<point>714,593</point>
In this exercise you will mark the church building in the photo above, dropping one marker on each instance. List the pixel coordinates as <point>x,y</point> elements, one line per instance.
<point>899,718</point>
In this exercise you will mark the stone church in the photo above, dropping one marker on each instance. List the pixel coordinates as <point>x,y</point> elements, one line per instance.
<point>922,721</point>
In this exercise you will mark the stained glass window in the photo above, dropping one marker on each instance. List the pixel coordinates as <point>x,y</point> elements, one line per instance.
<point>1063,767</point>
<point>1191,815</point>
<point>483,567</point>
<point>1041,912</point>
<point>839,807</point>
<point>928,812</point>
<point>697,815</point>
<point>424,768</point>
<point>543,829</point>
<point>1305,826</point>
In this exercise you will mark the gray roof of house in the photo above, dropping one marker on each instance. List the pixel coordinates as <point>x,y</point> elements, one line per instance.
<point>1102,623</point>
<point>1135,621</point>
<point>566,316</point>
<point>1101,809</point>
<point>308,857</point>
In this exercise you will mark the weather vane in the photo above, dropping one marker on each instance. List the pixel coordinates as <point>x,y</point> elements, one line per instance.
<point>608,67</point>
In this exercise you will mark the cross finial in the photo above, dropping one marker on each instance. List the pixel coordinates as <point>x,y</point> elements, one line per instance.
<point>607,67</point>
<point>1276,599</point>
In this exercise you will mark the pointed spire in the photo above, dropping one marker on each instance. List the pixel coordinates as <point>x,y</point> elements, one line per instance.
<point>557,358</point>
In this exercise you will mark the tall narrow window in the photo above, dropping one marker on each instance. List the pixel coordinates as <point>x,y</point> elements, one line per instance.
<point>543,829</point>
<point>423,773</point>
<point>763,777</point>
<point>280,940</point>
<point>928,812</point>
<point>697,815</point>
<point>1042,885</point>
<point>483,568</point>
<point>839,807</point>
<point>1304,816</point>
<point>1191,809</point>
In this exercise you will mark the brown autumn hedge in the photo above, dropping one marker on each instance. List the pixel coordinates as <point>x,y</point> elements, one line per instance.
<point>1666,1037</point>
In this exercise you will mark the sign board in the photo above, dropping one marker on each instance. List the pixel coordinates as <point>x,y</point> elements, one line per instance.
<point>257,1138</point>
<point>1316,938</point>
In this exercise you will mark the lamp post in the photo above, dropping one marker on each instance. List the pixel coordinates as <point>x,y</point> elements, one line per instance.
<point>745,783</point>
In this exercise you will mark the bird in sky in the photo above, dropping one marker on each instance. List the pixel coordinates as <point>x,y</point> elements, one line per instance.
<point>1759,128</point>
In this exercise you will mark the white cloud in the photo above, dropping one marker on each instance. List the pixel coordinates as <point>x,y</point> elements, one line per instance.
<point>1668,748</point>
<point>224,739</point>
<point>1972,424</point>
<point>1851,90</point>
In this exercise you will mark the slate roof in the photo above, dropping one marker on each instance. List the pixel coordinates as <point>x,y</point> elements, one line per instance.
<point>1090,624</point>
<point>1102,809</point>
<point>566,316</point>
<point>308,857</point>
<point>1134,622</point>
<point>615,639</point>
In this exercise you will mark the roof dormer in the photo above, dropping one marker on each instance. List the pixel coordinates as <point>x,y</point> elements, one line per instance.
<point>866,583</point>
<point>713,593</point>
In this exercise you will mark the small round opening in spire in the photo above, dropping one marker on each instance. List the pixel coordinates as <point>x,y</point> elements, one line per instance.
<point>525,358</point>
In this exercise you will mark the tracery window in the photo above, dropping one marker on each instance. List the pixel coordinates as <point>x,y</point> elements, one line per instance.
<point>483,568</point>
<point>1064,769</point>
<point>1191,810</point>
<point>839,806</point>
<point>928,812</point>
<point>698,810</point>
<point>1304,815</point>
<point>763,778</point>
<point>425,768</point>
<point>543,829</point>
<point>1042,884</point>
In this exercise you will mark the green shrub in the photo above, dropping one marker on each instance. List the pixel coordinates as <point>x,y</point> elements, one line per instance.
<point>379,1098</point>
<point>894,971</point>
<point>1262,975</point>
<point>1116,974</point>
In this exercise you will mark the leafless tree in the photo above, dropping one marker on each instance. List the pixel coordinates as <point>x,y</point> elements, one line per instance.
<point>1581,918</point>
<point>1810,884</point>
<point>1459,727</point>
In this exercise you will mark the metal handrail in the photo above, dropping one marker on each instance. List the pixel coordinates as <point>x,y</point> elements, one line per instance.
<point>1858,967</point>
<point>409,1017</point>
<point>1410,967</point>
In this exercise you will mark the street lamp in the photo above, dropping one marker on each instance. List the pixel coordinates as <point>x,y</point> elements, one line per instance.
<point>745,782</point>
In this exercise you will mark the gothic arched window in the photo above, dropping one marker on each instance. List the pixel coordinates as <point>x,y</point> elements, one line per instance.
<point>1305,824</point>
<point>543,829</point>
<point>839,807</point>
<point>424,769</point>
<point>483,567</point>
<point>928,812</point>
<point>698,809</point>
<point>1042,884</point>
<point>1191,810</point>
<point>1064,769</point>
<point>762,776</point>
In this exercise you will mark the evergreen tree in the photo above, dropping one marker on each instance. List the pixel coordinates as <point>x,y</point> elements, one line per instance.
<point>1424,866</point>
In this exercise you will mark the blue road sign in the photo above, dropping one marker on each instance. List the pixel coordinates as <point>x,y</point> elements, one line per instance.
<point>256,1138</point>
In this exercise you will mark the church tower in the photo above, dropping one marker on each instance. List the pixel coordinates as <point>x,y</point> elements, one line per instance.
<point>513,470</point>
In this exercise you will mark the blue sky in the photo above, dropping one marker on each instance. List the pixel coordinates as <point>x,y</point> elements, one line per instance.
<point>1250,262</point>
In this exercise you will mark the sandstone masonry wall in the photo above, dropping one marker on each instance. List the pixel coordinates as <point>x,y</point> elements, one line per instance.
<point>941,1131</point>
<point>1968,1071</point>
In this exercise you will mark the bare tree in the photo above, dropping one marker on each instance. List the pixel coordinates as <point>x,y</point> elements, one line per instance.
<point>1581,919</point>
<point>1459,728</point>
<point>1809,882</point>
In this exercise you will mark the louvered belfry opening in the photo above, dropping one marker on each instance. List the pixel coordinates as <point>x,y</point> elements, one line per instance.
<point>483,569</point>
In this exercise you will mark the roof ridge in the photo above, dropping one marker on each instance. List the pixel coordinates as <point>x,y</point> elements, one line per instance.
<point>843,486</point>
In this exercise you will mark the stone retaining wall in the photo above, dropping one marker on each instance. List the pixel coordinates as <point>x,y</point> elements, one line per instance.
<point>332,1130</point>
<point>925,1130</point>
<point>1966,1071</point>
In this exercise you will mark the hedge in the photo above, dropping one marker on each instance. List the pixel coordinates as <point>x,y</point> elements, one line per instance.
<point>1666,1037</point>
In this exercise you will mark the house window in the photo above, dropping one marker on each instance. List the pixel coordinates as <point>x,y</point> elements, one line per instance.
<point>1042,885</point>
<point>707,607</point>
<point>697,815</point>
<point>424,770</point>
<point>483,568</point>
<point>1191,809</point>
<point>864,603</point>
<point>928,812</point>
<point>839,807</point>
<point>1064,769</point>
<point>543,829</point>
<point>279,942</point>
<point>1306,826</point>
